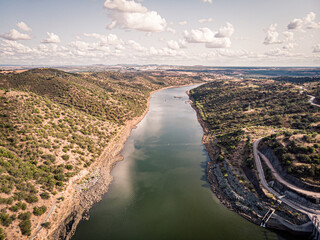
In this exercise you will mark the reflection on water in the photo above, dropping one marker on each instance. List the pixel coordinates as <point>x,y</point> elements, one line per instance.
<point>160,189</point>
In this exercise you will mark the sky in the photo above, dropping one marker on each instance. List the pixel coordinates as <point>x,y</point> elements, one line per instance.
<point>164,32</point>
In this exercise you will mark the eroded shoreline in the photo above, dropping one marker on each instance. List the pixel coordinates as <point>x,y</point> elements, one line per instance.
<point>228,200</point>
<point>80,201</point>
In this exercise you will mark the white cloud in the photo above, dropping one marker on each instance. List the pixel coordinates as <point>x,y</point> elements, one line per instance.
<point>231,53</point>
<point>135,45</point>
<point>120,47</point>
<point>11,48</point>
<point>183,23</point>
<point>23,26</point>
<point>295,24</point>
<point>81,48</point>
<point>225,32</point>
<point>52,38</point>
<point>288,36</point>
<point>219,43</point>
<point>129,14</point>
<point>289,46</point>
<point>175,45</point>
<point>125,6</point>
<point>272,35</point>
<point>308,22</point>
<point>15,35</point>
<point>278,52</point>
<point>169,29</point>
<point>205,20</point>
<point>110,39</point>
<point>207,36</point>
<point>207,1</point>
<point>201,35</point>
<point>316,48</point>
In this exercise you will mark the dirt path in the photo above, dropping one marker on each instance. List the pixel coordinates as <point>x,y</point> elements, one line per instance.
<point>45,220</point>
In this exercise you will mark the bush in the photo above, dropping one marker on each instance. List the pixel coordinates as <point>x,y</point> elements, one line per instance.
<point>59,176</point>
<point>31,198</point>
<point>14,208</point>
<point>49,157</point>
<point>45,195</point>
<point>46,225</point>
<point>38,211</point>
<point>65,157</point>
<point>303,158</point>
<point>69,167</point>
<point>2,235</point>
<point>249,162</point>
<point>24,216</point>
<point>25,227</point>
<point>5,219</point>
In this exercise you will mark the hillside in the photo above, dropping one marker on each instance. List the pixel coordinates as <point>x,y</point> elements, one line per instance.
<point>54,125</point>
<point>235,113</point>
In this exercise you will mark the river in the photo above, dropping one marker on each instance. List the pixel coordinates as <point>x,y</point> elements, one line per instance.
<point>160,189</point>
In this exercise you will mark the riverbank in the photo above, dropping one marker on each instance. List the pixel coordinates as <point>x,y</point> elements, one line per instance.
<point>232,190</point>
<point>214,152</point>
<point>88,187</point>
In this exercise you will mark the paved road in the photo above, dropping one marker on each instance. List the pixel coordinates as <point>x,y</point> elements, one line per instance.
<point>284,182</point>
<point>312,98</point>
<point>310,212</point>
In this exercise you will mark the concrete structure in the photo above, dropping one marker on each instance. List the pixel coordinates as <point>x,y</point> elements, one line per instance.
<point>314,215</point>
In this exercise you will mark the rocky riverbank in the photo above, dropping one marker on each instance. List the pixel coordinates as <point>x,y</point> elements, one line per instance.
<point>96,183</point>
<point>235,196</point>
<point>92,184</point>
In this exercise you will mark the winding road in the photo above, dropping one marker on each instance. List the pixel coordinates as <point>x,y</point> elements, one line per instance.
<point>313,214</point>
<point>312,98</point>
<point>277,176</point>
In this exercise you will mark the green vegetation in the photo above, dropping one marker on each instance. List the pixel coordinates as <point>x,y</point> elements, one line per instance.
<point>225,105</point>
<point>46,225</point>
<point>2,235</point>
<point>53,124</point>
<point>299,154</point>
<point>235,111</point>
<point>25,227</point>
<point>38,211</point>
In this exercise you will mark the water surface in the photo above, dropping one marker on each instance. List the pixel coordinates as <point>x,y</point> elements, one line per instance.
<point>159,189</point>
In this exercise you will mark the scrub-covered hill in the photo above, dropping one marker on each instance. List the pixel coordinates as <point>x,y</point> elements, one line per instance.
<point>54,126</point>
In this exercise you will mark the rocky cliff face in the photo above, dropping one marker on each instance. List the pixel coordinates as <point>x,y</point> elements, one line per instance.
<point>93,194</point>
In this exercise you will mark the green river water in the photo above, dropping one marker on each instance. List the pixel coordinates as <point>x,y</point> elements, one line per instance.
<point>160,189</point>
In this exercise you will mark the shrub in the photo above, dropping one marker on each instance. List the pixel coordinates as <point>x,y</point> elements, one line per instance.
<point>24,216</point>
<point>69,167</point>
<point>65,157</point>
<point>49,157</point>
<point>5,219</point>
<point>46,225</point>
<point>45,195</point>
<point>2,235</point>
<point>249,162</point>
<point>31,198</point>
<point>25,227</point>
<point>38,211</point>
<point>59,176</point>
<point>14,208</point>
